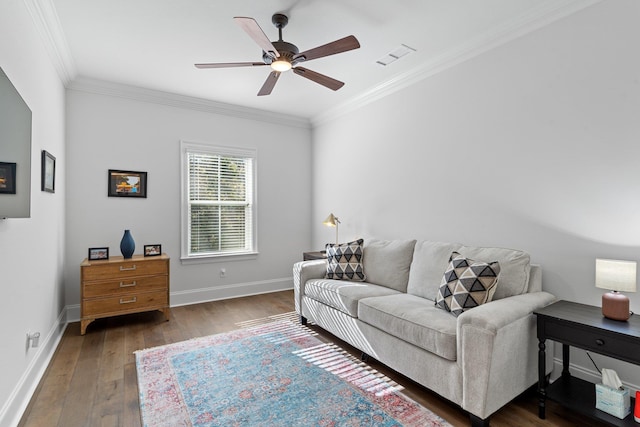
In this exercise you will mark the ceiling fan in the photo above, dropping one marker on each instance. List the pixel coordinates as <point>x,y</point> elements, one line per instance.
<point>283,56</point>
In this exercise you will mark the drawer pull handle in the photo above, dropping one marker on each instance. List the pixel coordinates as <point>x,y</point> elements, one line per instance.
<point>122,301</point>
<point>127,285</point>
<point>600,341</point>
<point>128,269</point>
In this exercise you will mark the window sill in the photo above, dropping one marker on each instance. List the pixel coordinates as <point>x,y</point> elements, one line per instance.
<point>208,259</point>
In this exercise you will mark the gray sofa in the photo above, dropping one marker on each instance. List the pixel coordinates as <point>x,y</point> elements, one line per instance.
<point>479,360</point>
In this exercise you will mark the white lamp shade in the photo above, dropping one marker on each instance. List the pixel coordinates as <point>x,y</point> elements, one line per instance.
<point>616,275</point>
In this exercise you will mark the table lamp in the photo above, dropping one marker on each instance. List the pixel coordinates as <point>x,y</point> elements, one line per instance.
<point>332,221</point>
<point>616,276</point>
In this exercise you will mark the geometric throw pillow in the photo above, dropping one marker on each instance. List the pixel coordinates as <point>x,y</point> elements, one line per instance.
<point>345,261</point>
<point>467,284</point>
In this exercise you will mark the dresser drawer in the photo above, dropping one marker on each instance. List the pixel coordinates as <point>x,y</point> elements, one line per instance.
<point>125,286</point>
<point>597,340</point>
<point>125,303</point>
<point>124,269</point>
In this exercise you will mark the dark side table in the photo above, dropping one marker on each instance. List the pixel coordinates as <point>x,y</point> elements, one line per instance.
<point>583,326</point>
<point>308,256</point>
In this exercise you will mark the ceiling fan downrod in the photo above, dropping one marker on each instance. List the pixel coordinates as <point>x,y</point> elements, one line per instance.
<point>280,21</point>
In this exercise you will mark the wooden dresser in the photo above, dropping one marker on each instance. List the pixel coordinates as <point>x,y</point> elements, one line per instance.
<point>118,286</point>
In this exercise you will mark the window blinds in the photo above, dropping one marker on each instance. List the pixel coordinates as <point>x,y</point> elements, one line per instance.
<point>220,203</point>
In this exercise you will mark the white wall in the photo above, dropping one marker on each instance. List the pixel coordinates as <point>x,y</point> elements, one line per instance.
<point>533,145</point>
<point>31,249</point>
<point>108,132</point>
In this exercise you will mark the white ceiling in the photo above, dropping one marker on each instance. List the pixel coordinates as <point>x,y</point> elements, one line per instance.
<point>153,44</point>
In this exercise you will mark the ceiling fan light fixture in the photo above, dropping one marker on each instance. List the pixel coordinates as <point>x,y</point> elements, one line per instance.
<point>283,56</point>
<point>281,65</point>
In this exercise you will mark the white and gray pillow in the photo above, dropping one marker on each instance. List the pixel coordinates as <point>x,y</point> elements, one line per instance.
<point>344,261</point>
<point>467,284</point>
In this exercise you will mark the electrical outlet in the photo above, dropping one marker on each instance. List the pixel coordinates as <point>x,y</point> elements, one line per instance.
<point>223,273</point>
<point>33,340</point>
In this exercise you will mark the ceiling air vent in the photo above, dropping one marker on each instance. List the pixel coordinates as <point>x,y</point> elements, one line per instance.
<point>395,54</point>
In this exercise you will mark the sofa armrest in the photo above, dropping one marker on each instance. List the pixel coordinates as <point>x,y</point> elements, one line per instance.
<point>498,351</point>
<point>496,314</point>
<point>303,271</point>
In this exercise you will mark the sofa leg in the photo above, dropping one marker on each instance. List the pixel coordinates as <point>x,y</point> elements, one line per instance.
<point>303,320</point>
<point>364,357</point>
<point>478,422</point>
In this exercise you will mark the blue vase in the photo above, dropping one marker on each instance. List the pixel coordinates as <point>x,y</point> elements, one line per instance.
<point>127,245</point>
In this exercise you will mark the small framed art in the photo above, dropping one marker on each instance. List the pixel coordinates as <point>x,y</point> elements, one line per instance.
<point>152,250</point>
<point>127,184</point>
<point>48,172</point>
<point>7,178</point>
<point>98,253</point>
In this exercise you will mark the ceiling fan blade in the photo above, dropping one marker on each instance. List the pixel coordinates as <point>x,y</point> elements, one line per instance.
<point>325,81</point>
<point>338,46</point>
<point>268,85</point>
<point>251,27</point>
<point>230,64</point>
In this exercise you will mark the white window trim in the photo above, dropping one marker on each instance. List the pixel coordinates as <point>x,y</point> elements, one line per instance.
<point>188,146</point>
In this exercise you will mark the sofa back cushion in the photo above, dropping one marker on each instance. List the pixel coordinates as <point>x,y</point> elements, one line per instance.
<point>514,268</point>
<point>387,262</point>
<point>430,260</point>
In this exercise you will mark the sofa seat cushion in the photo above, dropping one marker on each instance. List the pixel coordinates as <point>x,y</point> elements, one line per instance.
<point>343,295</point>
<point>413,319</point>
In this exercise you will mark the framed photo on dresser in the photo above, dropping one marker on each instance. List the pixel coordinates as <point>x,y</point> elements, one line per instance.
<point>98,254</point>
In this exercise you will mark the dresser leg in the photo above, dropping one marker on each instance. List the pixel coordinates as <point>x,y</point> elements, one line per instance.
<point>83,325</point>
<point>167,312</point>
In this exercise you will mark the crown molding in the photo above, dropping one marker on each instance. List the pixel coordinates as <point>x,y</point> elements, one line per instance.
<point>539,17</point>
<point>136,93</point>
<point>48,25</point>
<point>45,19</point>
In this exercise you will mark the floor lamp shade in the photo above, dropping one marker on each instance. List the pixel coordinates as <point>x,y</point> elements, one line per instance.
<point>616,276</point>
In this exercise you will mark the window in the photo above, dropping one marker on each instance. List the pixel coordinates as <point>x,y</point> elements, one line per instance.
<point>218,214</point>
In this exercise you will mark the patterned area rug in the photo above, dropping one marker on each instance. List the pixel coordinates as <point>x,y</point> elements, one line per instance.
<point>276,374</point>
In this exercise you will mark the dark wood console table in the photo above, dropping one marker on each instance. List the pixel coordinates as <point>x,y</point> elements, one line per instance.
<point>583,326</point>
<point>308,256</point>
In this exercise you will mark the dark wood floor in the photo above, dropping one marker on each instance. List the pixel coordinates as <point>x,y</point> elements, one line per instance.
<point>91,380</point>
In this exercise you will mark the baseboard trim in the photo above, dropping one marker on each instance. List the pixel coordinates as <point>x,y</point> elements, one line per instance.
<point>238,290</point>
<point>585,374</point>
<point>197,296</point>
<point>14,407</point>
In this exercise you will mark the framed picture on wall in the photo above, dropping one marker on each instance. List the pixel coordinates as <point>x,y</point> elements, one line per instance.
<point>98,253</point>
<point>48,172</point>
<point>7,178</point>
<point>127,184</point>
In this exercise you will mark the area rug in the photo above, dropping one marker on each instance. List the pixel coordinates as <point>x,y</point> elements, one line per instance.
<point>277,374</point>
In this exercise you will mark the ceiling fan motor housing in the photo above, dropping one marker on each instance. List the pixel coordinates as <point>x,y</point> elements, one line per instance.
<point>286,50</point>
